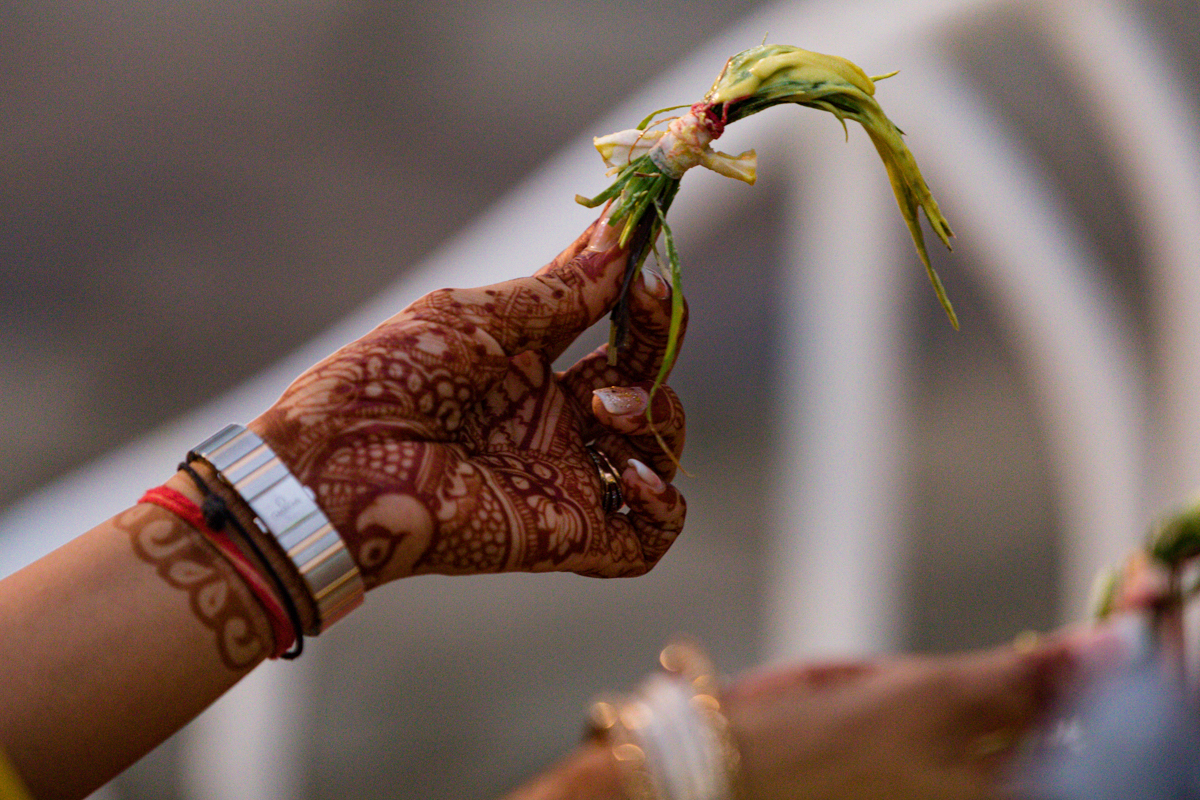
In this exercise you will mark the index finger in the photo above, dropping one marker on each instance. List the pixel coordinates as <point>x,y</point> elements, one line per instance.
<point>545,311</point>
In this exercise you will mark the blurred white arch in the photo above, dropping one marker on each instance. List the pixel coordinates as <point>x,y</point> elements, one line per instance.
<point>1073,339</point>
<point>834,572</point>
<point>1151,131</point>
<point>836,552</point>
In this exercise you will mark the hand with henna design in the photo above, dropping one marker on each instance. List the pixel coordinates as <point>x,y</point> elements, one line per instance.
<point>444,442</point>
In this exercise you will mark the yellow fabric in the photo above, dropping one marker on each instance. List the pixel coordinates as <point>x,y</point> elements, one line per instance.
<point>11,787</point>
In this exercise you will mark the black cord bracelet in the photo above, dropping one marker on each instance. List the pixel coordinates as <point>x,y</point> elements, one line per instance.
<point>217,516</point>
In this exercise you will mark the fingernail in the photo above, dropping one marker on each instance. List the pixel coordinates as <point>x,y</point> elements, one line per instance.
<point>647,476</point>
<point>623,401</point>
<point>654,284</point>
<point>604,236</point>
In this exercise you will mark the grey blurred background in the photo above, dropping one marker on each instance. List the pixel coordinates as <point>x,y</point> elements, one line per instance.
<point>192,189</point>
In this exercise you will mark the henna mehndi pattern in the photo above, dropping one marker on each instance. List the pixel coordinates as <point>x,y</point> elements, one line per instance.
<point>443,442</point>
<point>217,596</point>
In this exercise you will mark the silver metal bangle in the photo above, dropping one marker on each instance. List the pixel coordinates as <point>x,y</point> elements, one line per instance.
<point>287,511</point>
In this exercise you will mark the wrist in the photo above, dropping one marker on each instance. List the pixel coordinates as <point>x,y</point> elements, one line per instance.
<point>228,593</point>
<point>277,560</point>
<point>590,774</point>
<point>287,519</point>
<point>587,774</point>
<point>671,738</point>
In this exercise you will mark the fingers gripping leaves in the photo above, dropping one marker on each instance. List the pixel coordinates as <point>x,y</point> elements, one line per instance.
<point>443,442</point>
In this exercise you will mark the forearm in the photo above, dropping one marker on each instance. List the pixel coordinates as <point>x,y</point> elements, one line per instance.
<point>113,642</point>
<point>587,774</point>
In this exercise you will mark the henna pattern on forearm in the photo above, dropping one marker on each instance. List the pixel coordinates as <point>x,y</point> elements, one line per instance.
<point>215,593</point>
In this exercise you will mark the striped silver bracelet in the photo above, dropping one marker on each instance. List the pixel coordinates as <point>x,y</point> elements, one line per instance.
<point>286,511</point>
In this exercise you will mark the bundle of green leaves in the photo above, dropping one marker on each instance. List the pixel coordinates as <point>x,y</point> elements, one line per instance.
<point>648,162</point>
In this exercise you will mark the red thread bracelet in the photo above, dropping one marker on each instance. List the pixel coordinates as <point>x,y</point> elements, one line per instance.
<point>183,507</point>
